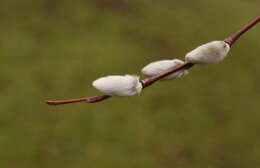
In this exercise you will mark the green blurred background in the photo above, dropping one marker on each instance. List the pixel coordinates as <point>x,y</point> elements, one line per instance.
<point>56,48</point>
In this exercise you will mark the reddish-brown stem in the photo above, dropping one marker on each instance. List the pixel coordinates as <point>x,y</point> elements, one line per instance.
<point>234,37</point>
<point>92,99</point>
<point>57,102</point>
<point>149,81</point>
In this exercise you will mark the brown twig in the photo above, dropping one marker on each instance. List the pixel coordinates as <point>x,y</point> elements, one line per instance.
<point>92,99</point>
<point>145,83</point>
<point>234,37</point>
<point>149,81</point>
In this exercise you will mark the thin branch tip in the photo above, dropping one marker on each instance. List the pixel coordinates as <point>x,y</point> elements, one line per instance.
<point>92,99</point>
<point>234,37</point>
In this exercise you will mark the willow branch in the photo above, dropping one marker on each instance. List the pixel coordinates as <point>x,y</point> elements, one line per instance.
<point>151,80</point>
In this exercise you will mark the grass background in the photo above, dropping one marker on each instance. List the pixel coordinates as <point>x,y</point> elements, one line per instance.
<point>56,48</point>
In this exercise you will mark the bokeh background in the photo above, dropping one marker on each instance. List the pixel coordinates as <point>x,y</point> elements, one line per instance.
<point>56,48</point>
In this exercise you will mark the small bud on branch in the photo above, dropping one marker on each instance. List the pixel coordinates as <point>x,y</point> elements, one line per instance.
<point>202,54</point>
<point>117,85</point>
<point>159,67</point>
<point>208,53</point>
<point>149,81</point>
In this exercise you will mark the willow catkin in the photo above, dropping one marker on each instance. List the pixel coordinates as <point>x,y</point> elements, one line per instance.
<point>159,67</point>
<point>208,53</point>
<point>117,85</point>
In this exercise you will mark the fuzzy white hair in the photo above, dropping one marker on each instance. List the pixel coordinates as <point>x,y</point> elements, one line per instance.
<point>159,67</point>
<point>208,53</point>
<point>117,85</point>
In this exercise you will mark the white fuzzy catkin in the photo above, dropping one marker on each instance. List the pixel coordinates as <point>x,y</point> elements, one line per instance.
<point>159,67</point>
<point>208,53</point>
<point>117,85</point>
